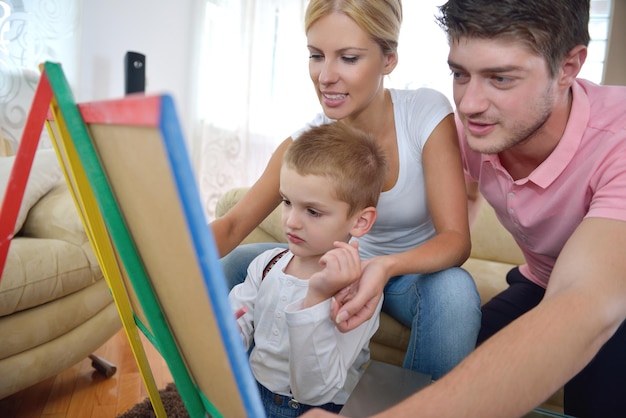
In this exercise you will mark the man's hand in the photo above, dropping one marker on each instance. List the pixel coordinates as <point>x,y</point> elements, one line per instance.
<point>357,303</point>
<point>342,267</point>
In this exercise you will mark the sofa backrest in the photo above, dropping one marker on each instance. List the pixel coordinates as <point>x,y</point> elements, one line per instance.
<point>490,241</point>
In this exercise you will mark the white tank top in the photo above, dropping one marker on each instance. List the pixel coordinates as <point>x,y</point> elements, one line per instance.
<point>404,221</point>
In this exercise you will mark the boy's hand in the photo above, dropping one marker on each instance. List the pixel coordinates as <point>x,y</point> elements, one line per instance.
<point>342,267</point>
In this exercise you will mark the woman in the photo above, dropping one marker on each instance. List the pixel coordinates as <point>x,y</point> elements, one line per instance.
<point>422,231</point>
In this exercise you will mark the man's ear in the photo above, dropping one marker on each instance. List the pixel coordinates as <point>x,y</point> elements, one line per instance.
<point>571,65</point>
<point>363,222</point>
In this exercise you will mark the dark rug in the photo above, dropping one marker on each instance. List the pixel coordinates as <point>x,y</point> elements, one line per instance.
<point>172,402</point>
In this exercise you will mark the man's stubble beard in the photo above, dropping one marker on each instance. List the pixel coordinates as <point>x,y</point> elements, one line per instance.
<point>521,132</point>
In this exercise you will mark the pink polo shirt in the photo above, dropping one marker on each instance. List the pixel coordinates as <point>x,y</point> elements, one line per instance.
<point>585,176</point>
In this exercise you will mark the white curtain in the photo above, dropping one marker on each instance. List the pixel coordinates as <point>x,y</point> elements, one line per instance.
<point>31,32</point>
<point>253,89</point>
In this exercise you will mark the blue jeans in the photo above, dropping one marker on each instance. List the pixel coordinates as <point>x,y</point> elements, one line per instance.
<point>442,309</point>
<point>277,406</point>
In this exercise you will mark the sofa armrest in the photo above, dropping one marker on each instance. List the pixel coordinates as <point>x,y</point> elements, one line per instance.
<point>55,216</point>
<point>269,230</point>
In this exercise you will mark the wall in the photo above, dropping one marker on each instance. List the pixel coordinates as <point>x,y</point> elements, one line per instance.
<point>162,30</point>
<point>32,32</point>
<point>615,65</point>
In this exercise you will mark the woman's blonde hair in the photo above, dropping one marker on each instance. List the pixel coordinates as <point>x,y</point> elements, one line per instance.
<point>381,19</point>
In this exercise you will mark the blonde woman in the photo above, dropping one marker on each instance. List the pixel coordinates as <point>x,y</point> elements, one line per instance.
<point>421,235</point>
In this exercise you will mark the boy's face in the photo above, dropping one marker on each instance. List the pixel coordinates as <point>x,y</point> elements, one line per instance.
<point>503,92</point>
<point>312,217</point>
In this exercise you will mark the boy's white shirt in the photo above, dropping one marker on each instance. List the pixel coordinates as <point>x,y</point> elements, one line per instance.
<point>298,352</point>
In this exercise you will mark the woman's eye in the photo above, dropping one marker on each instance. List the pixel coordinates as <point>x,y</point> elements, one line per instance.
<point>286,202</point>
<point>315,57</point>
<point>350,59</point>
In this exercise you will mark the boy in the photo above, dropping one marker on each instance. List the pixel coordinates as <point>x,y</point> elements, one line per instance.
<point>330,181</point>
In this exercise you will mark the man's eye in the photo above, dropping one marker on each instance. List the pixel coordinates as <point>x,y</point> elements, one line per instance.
<point>459,77</point>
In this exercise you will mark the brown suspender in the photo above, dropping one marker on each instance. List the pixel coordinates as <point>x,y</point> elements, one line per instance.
<point>272,262</point>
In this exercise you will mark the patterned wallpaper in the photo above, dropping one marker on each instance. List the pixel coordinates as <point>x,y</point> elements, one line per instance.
<point>31,32</point>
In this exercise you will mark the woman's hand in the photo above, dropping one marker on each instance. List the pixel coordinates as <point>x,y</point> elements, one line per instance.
<point>357,303</point>
<point>342,266</point>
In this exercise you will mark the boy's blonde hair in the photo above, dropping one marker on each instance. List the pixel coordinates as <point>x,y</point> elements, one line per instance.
<point>347,156</point>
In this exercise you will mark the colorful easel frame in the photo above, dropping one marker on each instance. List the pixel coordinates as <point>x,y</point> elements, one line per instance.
<point>148,222</point>
<point>132,319</point>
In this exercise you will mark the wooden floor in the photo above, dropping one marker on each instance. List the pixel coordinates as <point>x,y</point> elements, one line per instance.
<point>81,392</point>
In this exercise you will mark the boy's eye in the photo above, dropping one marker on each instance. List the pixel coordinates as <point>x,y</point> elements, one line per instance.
<point>286,202</point>
<point>314,213</point>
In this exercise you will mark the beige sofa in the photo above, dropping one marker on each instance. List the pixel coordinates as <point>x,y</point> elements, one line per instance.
<point>494,253</point>
<point>55,306</point>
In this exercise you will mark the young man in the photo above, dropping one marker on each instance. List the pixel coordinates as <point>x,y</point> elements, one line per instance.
<point>330,181</point>
<point>548,152</point>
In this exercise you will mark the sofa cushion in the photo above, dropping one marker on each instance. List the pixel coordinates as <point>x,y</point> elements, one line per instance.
<point>39,270</point>
<point>270,230</point>
<point>43,323</point>
<point>44,174</point>
<point>55,216</point>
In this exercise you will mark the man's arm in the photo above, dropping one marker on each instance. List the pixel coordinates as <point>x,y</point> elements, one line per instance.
<point>522,365</point>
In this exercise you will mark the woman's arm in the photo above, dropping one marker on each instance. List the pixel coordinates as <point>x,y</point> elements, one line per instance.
<point>474,200</point>
<point>447,202</point>
<point>256,205</point>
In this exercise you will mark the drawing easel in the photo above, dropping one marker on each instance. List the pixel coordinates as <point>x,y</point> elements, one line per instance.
<point>127,164</point>
<point>131,318</point>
